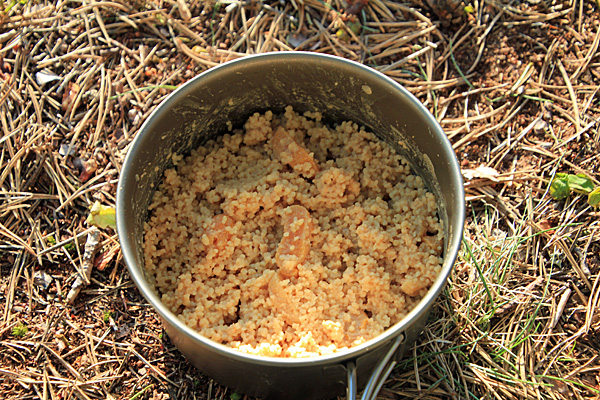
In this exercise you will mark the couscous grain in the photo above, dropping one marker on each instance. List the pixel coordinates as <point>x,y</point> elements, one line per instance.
<point>289,238</point>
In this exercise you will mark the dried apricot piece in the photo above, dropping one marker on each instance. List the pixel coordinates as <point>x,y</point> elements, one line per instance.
<point>413,286</point>
<point>337,185</point>
<point>218,232</point>
<point>355,328</point>
<point>295,243</point>
<point>292,153</point>
<point>431,245</point>
<point>282,301</point>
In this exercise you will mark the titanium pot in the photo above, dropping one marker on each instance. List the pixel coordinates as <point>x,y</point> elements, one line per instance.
<point>341,90</point>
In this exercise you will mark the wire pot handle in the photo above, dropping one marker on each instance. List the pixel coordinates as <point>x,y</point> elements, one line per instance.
<point>378,377</point>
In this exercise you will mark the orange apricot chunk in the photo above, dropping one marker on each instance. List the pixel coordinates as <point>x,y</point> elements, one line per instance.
<point>292,153</point>
<point>412,286</point>
<point>295,242</point>
<point>282,301</point>
<point>358,323</point>
<point>337,185</point>
<point>218,232</point>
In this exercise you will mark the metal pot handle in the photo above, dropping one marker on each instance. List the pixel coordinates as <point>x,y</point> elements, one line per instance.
<point>378,377</point>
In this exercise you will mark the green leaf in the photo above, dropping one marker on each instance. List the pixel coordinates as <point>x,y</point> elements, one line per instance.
<point>355,27</point>
<point>469,9</point>
<point>559,187</point>
<point>594,197</point>
<point>19,330</point>
<point>580,184</point>
<point>563,184</point>
<point>102,216</point>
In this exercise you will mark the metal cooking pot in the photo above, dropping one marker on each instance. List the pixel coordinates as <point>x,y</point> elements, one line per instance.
<point>341,90</point>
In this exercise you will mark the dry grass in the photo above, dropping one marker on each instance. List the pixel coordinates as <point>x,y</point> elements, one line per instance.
<point>514,85</point>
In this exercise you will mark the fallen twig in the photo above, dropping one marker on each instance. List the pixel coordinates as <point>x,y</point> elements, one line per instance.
<point>83,279</point>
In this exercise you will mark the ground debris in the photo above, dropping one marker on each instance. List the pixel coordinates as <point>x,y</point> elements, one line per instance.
<point>42,279</point>
<point>87,264</point>
<point>521,295</point>
<point>78,79</point>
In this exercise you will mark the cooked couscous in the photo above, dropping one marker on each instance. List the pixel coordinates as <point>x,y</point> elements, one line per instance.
<point>290,238</point>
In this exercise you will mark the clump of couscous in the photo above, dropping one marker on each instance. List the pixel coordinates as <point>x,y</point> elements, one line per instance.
<point>291,238</point>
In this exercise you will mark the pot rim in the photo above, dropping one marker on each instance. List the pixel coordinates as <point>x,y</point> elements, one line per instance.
<point>136,271</point>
